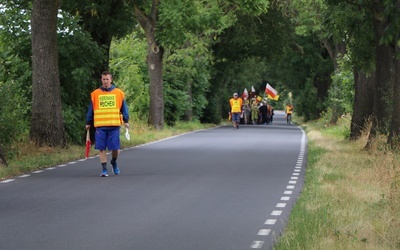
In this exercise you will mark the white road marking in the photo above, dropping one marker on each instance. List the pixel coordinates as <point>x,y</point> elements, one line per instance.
<point>292,182</point>
<point>290,187</point>
<point>281,205</point>
<point>62,165</point>
<point>288,192</point>
<point>72,162</point>
<point>257,244</point>
<point>285,198</point>
<point>50,168</point>
<point>7,181</point>
<point>276,212</point>
<point>37,172</point>
<point>24,175</point>
<point>270,222</point>
<point>264,232</point>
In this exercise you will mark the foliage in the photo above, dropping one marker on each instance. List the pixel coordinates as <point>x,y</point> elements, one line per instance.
<point>341,91</point>
<point>76,73</point>
<point>130,73</point>
<point>186,78</point>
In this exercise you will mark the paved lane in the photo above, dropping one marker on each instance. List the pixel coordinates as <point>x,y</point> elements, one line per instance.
<point>212,189</point>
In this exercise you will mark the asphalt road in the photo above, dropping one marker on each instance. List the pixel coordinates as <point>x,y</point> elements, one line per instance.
<point>212,189</point>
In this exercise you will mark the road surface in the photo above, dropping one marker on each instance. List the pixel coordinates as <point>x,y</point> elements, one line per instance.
<point>211,189</point>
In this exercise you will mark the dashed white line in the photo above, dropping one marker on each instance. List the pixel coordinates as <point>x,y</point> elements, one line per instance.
<point>290,187</point>
<point>24,176</point>
<point>281,205</point>
<point>276,212</point>
<point>37,172</point>
<point>292,182</point>
<point>257,244</point>
<point>264,232</point>
<point>270,222</point>
<point>288,192</point>
<point>285,198</point>
<point>50,168</point>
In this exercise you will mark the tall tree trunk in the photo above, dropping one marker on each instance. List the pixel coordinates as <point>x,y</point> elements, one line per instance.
<point>189,111</point>
<point>394,135</point>
<point>383,82</point>
<point>47,125</point>
<point>363,103</point>
<point>154,64</point>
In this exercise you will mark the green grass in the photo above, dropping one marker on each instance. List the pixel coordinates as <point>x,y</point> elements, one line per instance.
<point>351,196</point>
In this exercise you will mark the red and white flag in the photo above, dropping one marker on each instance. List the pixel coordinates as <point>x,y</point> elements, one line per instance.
<point>270,91</point>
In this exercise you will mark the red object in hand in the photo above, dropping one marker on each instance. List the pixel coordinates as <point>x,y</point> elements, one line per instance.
<point>88,144</point>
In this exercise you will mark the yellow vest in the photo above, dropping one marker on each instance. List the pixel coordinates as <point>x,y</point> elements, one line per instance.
<point>289,109</point>
<point>236,105</point>
<point>106,107</point>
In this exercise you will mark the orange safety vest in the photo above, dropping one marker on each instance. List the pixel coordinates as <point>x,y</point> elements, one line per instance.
<point>106,107</point>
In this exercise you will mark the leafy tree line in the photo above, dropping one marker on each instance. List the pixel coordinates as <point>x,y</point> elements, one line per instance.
<point>182,60</point>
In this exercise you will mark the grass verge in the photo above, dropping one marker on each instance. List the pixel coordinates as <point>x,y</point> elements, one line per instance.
<point>351,196</point>
<point>31,158</point>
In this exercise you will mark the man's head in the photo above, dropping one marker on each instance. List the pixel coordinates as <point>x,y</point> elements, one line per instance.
<point>106,79</point>
<point>235,95</point>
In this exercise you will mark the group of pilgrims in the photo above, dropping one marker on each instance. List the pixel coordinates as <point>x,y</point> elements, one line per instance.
<point>254,110</point>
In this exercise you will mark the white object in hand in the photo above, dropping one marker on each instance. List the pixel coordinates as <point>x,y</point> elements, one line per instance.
<point>127,135</point>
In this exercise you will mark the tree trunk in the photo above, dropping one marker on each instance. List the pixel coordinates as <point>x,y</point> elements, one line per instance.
<point>363,103</point>
<point>47,125</point>
<point>383,81</point>
<point>189,111</point>
<point>154,64</point>
<point>394,135</point>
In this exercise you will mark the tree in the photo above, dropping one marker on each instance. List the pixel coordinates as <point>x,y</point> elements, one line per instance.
<point>47,126</point>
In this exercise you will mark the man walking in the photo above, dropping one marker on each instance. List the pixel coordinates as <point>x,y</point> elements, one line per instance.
<point>236,109</point>
<point>107,110</point>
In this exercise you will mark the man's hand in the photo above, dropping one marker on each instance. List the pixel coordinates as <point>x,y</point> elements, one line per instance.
<point>87,127</point>
<point>126,125</point>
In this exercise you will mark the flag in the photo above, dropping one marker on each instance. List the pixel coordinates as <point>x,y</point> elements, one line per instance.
<point>88,144</point>
<point>245,94</point>
<point>253,90</point>
<point>270,97</point>
<point>270,91</point>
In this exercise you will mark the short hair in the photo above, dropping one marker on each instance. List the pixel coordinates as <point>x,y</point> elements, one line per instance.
<point>106,73</point>
<point>235,94</point>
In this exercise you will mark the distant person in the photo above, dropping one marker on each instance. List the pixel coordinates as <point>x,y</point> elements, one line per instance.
<point>264,113</point>
<point>236,109</point>
<point>254,113</point>
<point>272,114</point>
<point>288,112</point>
<point>107,110</point>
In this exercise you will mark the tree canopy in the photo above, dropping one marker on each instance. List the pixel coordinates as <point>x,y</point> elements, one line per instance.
<point>182,60</point>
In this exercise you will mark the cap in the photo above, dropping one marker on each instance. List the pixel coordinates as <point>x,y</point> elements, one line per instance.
<point>235,94</point>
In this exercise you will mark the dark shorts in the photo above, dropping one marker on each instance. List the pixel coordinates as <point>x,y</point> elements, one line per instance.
<point>236,117</point>
<point>107,138</point>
